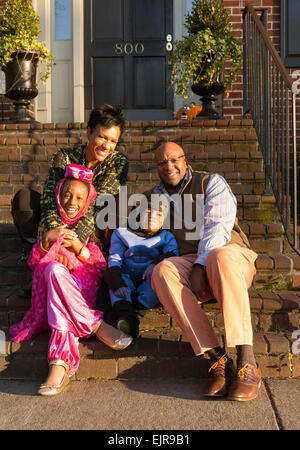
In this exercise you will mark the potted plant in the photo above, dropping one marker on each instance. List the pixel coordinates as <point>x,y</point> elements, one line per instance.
<point>208,58</point>
<point>19,55</point>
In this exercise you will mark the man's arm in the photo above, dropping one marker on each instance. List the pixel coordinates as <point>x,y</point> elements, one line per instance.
<point>220,209</point>
<point>219,216</point>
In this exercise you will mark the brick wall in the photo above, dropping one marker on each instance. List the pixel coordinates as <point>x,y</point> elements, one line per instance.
<point>233,105</point>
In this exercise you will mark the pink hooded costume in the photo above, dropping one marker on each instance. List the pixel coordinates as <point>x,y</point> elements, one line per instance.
<point>61,299</point>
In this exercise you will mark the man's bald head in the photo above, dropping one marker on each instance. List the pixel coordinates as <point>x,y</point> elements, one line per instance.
<point>168,150</point>
<point>171,164</point>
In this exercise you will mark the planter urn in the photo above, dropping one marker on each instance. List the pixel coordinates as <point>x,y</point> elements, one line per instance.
<point>208,95</point>
<point>20,84</point>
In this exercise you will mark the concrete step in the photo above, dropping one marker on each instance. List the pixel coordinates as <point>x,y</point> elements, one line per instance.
<point>154,354</point>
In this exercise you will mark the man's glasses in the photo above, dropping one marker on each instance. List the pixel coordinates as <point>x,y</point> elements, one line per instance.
<point>171,160</point>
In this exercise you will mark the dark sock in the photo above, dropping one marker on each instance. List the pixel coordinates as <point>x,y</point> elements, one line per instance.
<point>216,353</point>
<point>245,355</point>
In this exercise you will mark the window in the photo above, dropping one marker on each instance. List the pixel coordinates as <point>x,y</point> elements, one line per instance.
<point>62,20</point>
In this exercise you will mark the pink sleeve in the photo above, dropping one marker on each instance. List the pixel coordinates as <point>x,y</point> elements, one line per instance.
<point>35,256</point>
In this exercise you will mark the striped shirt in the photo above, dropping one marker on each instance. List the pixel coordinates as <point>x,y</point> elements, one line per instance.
<point>219,213</point>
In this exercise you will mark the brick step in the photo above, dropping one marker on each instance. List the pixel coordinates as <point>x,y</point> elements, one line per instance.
<point>275,271</point>
<point>270,311</point>
<point>154,354</point>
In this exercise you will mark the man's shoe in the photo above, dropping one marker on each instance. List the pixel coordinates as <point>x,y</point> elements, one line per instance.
<point>222,373</point>
<point>246,384</point>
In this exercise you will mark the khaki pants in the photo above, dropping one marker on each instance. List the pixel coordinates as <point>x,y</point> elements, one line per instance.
<point>230,271</point>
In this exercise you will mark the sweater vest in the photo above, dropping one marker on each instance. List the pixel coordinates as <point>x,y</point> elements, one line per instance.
<point>197,185</point>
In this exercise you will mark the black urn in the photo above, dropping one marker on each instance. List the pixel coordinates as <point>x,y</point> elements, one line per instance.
<point>20,78</point>
<point>208,95</point>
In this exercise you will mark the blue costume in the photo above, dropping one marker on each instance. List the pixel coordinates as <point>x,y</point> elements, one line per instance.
<point>129,256</point>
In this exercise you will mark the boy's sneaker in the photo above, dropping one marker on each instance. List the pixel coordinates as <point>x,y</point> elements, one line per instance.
<point>124,326</point>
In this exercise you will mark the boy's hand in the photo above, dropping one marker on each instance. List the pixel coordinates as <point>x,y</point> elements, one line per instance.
<point>122,292</point>
<point>148,272</point>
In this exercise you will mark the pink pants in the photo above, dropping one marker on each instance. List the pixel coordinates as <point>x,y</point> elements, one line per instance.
<point>69,315</point>
<point>230,271</point>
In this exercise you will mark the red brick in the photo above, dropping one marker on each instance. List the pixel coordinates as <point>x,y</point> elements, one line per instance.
<point>264,262</point>
<point>282,262</point>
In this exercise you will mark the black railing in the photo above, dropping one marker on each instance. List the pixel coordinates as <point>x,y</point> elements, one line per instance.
<point>269,95</point>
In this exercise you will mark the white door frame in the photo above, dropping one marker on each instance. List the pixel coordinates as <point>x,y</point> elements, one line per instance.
<point>43,103</point>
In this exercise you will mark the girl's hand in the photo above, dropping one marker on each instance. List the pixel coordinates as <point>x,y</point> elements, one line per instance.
<point>52,236</point>
<point>64,260</point>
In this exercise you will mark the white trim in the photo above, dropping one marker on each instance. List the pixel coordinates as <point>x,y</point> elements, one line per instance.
<point>78,60</point>
<point>43,103</point>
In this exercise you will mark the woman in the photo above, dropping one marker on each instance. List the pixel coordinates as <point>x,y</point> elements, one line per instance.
<point>66,279</point>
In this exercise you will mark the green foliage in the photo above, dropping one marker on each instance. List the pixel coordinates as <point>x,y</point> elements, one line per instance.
<point>207,51</point>
<point>19,31</point>
<point>207,14</point>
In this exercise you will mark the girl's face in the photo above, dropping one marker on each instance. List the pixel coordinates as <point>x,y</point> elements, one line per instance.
<point>152,220</point>
<point>73,197</point>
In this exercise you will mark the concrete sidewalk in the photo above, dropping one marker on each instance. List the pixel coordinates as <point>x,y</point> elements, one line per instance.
<point>143,404</point>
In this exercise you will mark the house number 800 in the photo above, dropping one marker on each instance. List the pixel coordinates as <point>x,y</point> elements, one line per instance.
<point>128,48</point>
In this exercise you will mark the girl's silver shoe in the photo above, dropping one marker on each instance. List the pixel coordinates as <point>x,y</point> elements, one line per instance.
<point>111,336</point>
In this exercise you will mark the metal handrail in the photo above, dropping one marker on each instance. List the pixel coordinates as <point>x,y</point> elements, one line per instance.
<point>269,95</point>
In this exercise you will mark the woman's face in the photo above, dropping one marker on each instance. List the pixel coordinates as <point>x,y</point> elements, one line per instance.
<point>152,220</point>
<point>73,197</point>
<point>102,142</point>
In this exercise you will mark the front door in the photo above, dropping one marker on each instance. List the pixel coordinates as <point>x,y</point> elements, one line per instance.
<point>126,61</point>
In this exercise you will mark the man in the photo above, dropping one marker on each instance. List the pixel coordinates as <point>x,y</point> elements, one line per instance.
<point>100,154</point>
<point>218,264</point>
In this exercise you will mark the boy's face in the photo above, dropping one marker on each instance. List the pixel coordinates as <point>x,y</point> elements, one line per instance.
<point>73,197</point>
<point>152,220</point>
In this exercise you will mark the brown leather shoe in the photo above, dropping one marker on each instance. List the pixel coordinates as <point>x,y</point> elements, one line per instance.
<point>246,384</point>
<point>222,374</point>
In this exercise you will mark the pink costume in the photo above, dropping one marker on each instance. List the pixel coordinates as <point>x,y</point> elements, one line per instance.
<point>61,299</point>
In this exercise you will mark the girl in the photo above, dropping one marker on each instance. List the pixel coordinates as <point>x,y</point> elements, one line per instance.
<point>66,278</point>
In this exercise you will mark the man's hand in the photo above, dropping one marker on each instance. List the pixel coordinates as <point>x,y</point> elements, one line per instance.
<point>199,283</point>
